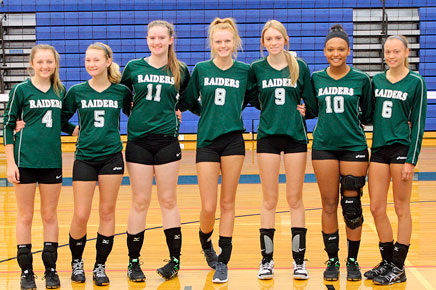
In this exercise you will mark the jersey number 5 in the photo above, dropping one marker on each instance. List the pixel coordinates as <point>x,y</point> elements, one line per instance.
<point>99,118</point>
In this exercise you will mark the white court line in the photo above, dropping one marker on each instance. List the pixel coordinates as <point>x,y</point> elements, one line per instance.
<point>414,271</point>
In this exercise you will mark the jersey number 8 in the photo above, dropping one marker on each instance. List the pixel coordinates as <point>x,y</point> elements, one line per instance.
<point>220,96</point>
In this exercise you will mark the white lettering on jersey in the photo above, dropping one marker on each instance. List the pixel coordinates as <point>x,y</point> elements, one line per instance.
<point>99,104</point>
<point>273,83</point>
<point>391,94</point>
<point>332,91</point>
<point>35,104</point>
<point>156,79</point>
<point>215,81</point>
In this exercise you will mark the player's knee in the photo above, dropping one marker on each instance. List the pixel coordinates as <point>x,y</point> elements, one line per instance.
<point>49,217</point>
<point>351,205</point>
<point>269,204</point>
<point>168,203</point>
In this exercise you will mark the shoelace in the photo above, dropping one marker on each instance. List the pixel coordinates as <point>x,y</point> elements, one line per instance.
<point>29,275</point>
<point>78,268</point>
<point>299,267</point>
<point>100,270</point>
<point>50,274</point>
<point>266,266</point>
<point>221,268</point>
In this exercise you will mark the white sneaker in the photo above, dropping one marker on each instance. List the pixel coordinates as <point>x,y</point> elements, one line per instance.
<point>300,271</point>
<point>266,270</point>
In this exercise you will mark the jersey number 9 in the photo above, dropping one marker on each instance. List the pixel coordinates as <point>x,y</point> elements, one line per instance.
<point>279,94</point>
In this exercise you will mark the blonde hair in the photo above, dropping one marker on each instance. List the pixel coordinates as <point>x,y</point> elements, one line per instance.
<point>294,70</point>
<point>405,43</point>
<point>174,65</point>
<point>113,71</point>
<point>226,23</point>
<point>54,78</point>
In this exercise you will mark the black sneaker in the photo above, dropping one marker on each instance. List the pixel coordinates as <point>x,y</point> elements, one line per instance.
<point>391,276</point>
<point>331,273</point>
<point>27,280</point>
<point>77,273</point>
<point>134,271</point>
<point>99,275</point>
<point>211,257</point>
<point>170,270</point>
<point>378,270</point>
<point>353,270</point>
<point>51,279</point>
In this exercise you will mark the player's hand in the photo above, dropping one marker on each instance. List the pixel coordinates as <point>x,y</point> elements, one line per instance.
<point>302,109</point>
<point>407,171</point>
<point>76,131</point>
<point>179,115</point>
<point>13,173</point>
<point>410,124</point>
<point>20,124</point>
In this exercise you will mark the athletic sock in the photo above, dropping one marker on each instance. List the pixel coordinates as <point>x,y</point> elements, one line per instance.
<point>134,244</point>
<point>353,249</point>
<point>331,244</point>
<point>104,247</point>
<point>24,257</point>
<point>174,241</point>
<point>400,254</point>
<point>225,244</point>
<point>298,244</point>
<point>50,254</point>
<point>77,246</point>
<point>267,244</point>
<point>205,239</point>
<point>386,250</point>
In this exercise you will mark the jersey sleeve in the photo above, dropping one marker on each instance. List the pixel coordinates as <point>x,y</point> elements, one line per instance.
<point>69,107</point>
<point>308,93</point>
<point>417,118</point>
<point>366,102</point>
<point>12,114</point>
<point>188,99</point>
<point>126,77</point>
<point>127,101</point>
<point>252,92</point>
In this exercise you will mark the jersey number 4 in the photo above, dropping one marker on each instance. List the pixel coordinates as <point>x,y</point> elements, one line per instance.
<point>48,119</point>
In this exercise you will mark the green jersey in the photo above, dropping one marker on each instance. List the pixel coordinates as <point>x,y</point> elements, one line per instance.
<point>279,98</point>
<point>38,145</point>
<point>222,94</point>
<point>99,119</point>
<point>396,105</point>
<point>154,99</point>
<point>343,105</point>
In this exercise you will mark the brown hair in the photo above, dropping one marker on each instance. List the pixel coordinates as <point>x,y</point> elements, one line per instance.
<point>405,43</point>
<point>226,23</point>
<point>54,78</point>
<point>294,70</point>
<point>174,64</point>
<point>113,71</point>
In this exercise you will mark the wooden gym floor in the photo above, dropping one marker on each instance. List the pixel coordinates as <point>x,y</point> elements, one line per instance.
<point>194,274</point>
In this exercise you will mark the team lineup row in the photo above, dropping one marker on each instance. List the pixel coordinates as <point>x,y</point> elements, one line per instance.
<point>153,91</point>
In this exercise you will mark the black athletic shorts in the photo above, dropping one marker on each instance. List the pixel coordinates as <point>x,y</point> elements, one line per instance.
<point>395,153</point>
<point>40,175</point>
<point>154,149</point>
<point>341,155</point>
<point>280,143</point>
<point>225,145</point>
<point>84,170</point>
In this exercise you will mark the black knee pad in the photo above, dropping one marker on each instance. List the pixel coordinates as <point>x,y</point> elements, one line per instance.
<point>352,211</point>
<point>50,255</point>
<point>24,257</point>
<point>350,182</point>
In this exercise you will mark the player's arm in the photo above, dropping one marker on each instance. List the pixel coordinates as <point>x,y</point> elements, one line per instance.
<point>252,92</point>
<point>417,118</point>
<point>308,93</point>
<point>11,115</point>
<point>367,104</point>
<point>69,107</point>
<point>188,99</point>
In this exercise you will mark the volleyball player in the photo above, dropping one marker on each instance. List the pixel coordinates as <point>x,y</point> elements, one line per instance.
<point>34,159</point>
<point>152,147</point>
<point>98,157</point>
<point>339,151</point>
<point>400,98</point>
<point>282,80</point>
<point>222,83</point>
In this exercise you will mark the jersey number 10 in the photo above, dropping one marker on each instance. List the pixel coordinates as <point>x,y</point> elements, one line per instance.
<point>338,104</point>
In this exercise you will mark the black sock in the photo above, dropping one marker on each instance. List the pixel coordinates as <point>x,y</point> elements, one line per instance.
<point>77,247</point>
<point>298,244</point>
<point>104,247</point>
<point>24,257</point>
<point>174,241</point>
<point>205,239</point>
<point>331,244</point>
<point>225,244</point>
<point>50,254</point>
<point>386,250</point>
<point>267,244</point>
<point>134,244</point>
<point>400,254</point>
<point>353,249</point>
